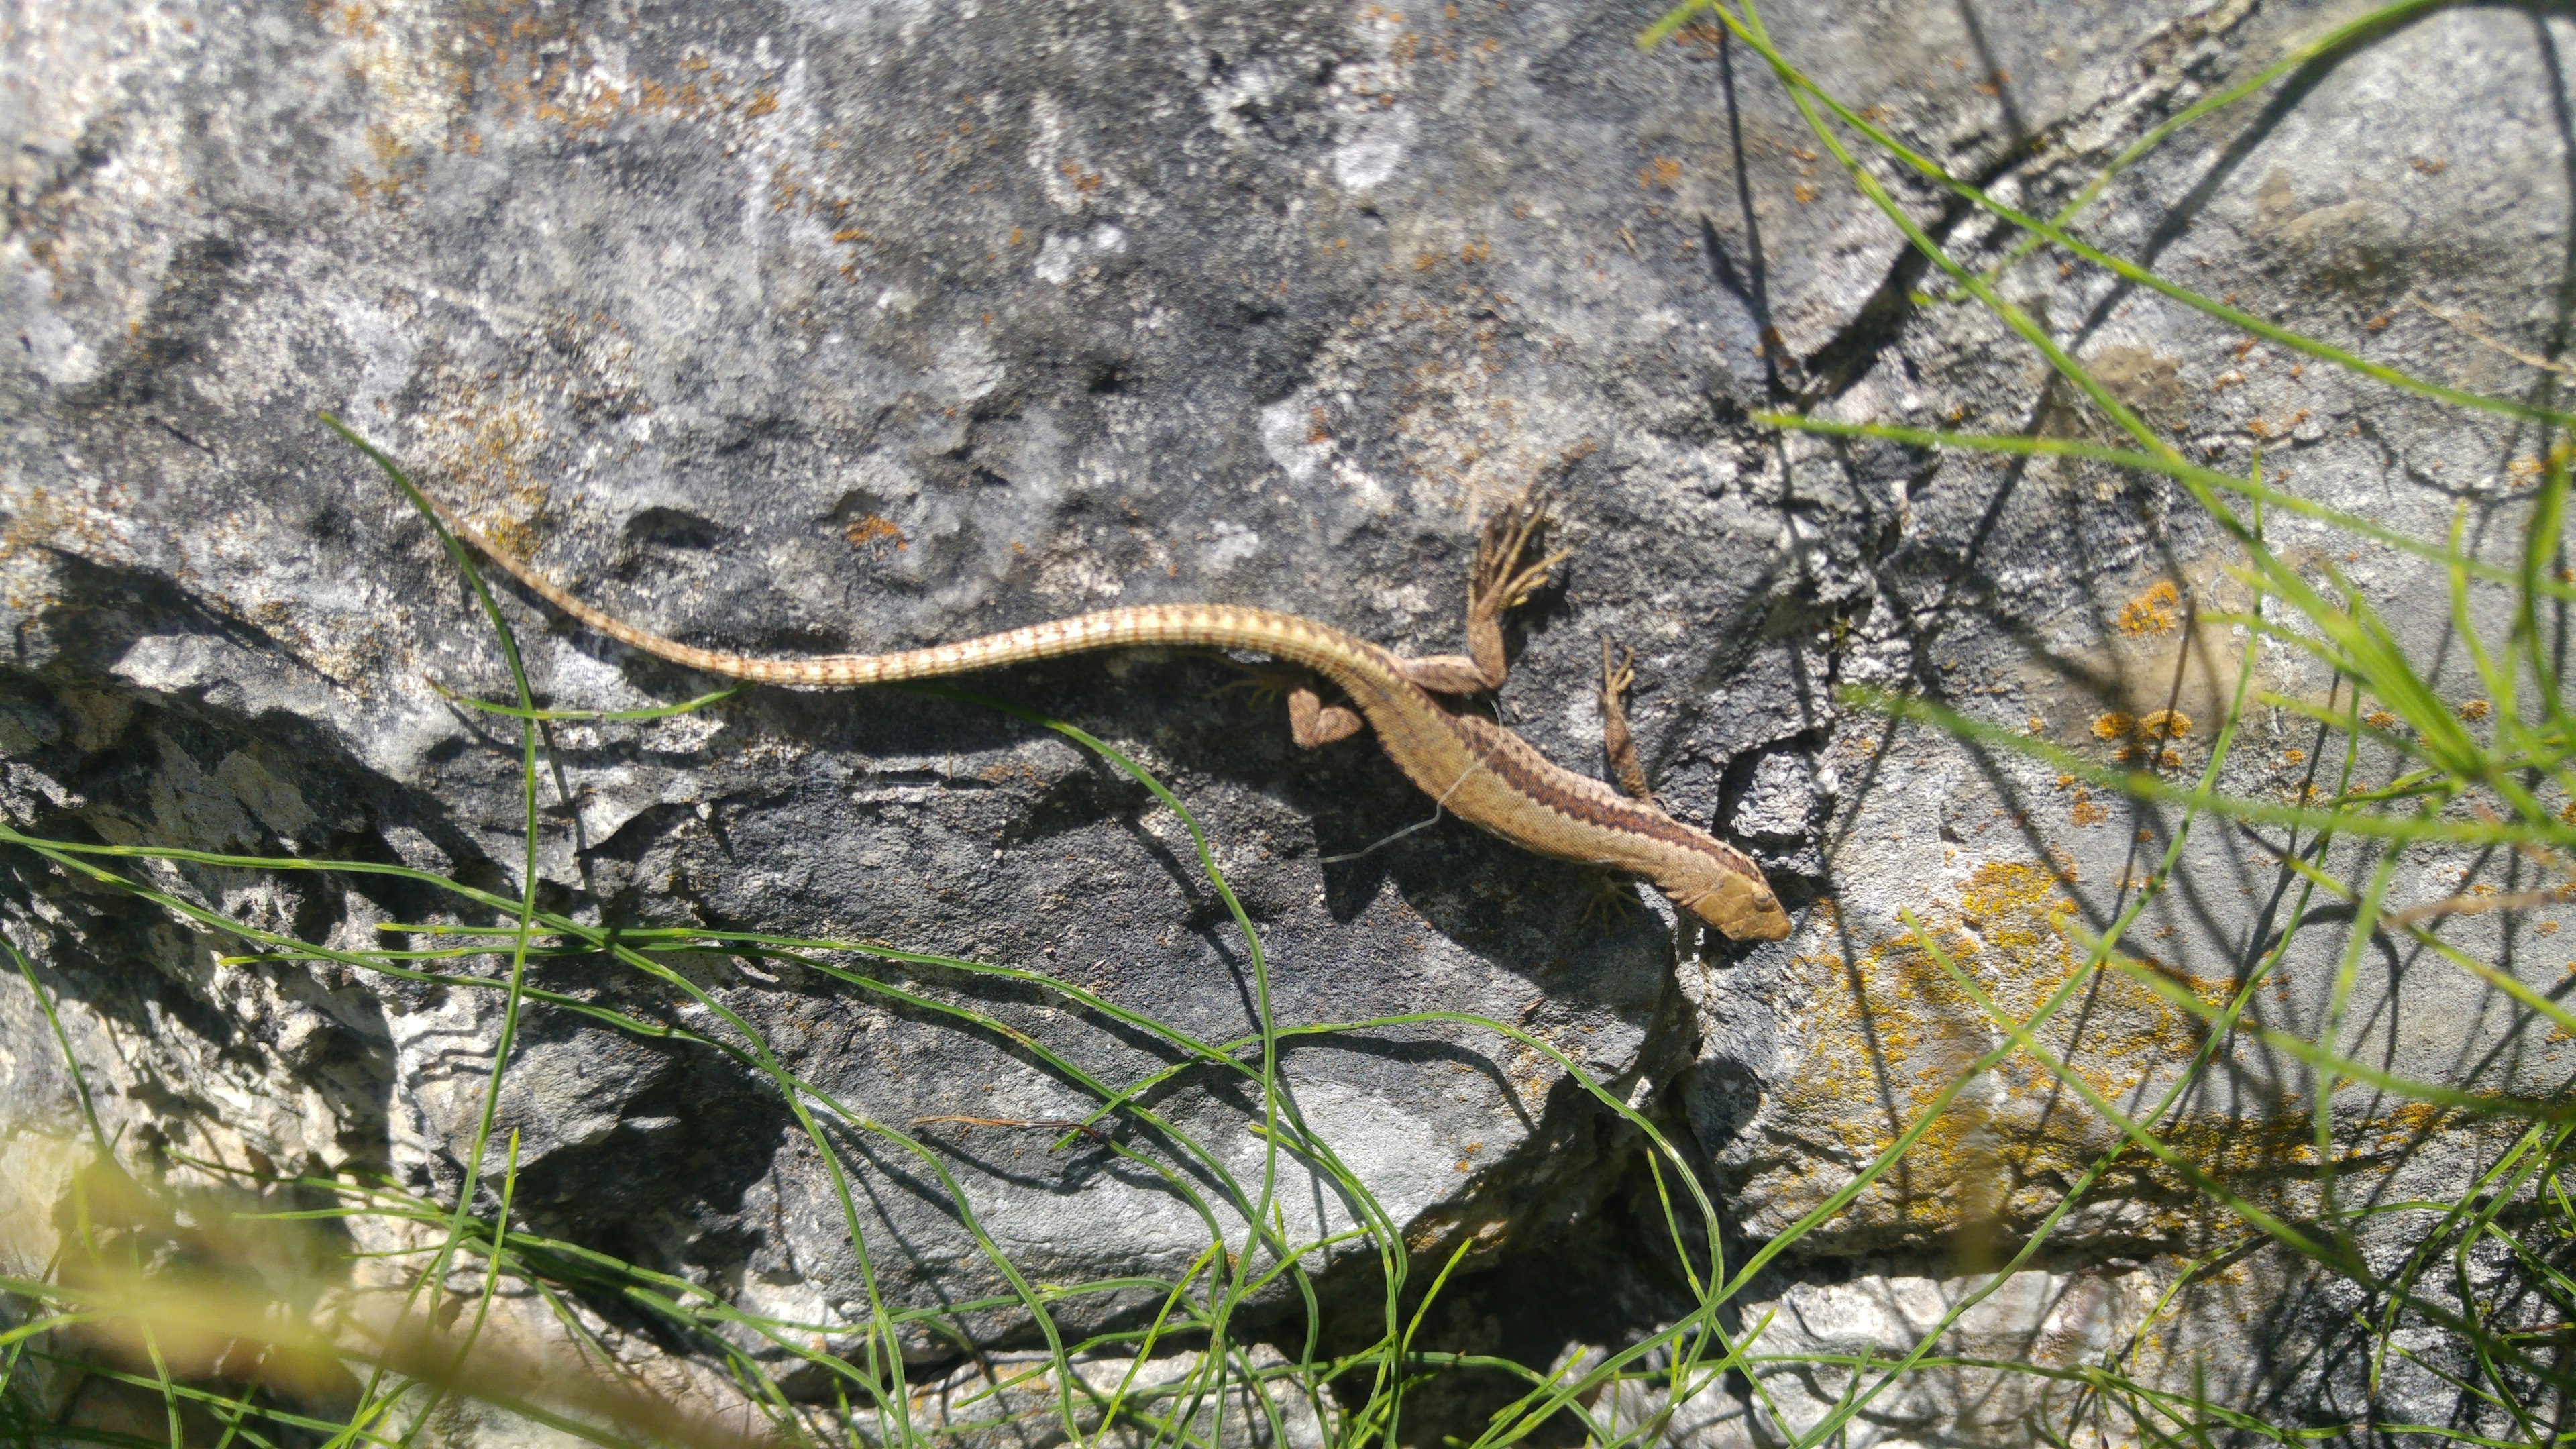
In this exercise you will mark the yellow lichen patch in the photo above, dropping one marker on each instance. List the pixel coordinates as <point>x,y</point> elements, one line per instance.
<point>490,445</point>
<point>1884,1030</point>
<point>1887,1030</point>
<point>2406,1122</point>
<point>871,529</point>
<point>2212,991</point>
<point>2113,726</point>
<point>2153,612</point>
<point>2475,710</point>
<point>82,522</point>
<point>2164,724</point>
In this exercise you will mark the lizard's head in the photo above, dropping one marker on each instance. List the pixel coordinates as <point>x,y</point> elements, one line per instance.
<point>1732,896</point>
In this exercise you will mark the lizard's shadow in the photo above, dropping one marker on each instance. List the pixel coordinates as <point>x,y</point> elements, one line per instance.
<point>1471,923</point>
<point>1360,817</point>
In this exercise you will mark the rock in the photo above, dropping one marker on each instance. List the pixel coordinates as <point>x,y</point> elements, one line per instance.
<point>2039,1355</point>
<point>820,332</point>
<point>1782,810</point>
<point>804,329</point>
<point>2008,863</point>
<point>1011,1399</point>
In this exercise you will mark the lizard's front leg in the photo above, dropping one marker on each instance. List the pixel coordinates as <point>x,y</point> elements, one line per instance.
<point>1499,583</point>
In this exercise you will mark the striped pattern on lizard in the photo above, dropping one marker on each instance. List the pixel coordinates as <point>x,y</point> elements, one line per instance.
<point>1475,769</point>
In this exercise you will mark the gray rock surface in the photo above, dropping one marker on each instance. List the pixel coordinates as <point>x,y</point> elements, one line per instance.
<point>811,327</point>
<point>1997,852</point>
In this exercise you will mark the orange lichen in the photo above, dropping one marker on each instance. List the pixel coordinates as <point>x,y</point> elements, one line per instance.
<point>2164,724</point>
<point>869,529</point>
<point>2475,709</point>
<point>1887,1028</point>
<point>2152,612</point>
<point>2113,726</point>
<point>493,445</point>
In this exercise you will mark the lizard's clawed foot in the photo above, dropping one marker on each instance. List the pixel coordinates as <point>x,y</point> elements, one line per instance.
<point>1311,722</point>
<point>1266,683</point>
<point>1613,897</point>
<point>1616,677</point>
<point>1502,581</point>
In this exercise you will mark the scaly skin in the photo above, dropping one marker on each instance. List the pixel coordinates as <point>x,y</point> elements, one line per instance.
<point>1475,769</point>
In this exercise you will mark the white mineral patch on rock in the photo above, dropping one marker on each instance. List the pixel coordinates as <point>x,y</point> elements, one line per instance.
<point>1374,150</point>
<point>1288,435</point>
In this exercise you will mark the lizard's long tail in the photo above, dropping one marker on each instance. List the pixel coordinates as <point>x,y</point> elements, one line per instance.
<point>1218,626</point>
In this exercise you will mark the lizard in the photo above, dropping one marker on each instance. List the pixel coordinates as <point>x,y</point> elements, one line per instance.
<point>1472,767</point>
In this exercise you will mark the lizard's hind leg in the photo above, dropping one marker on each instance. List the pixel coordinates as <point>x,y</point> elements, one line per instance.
<point>1501,581</point>
<point>1615,895</point>
<point>1621,746</point>
<point>1313,723</point>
